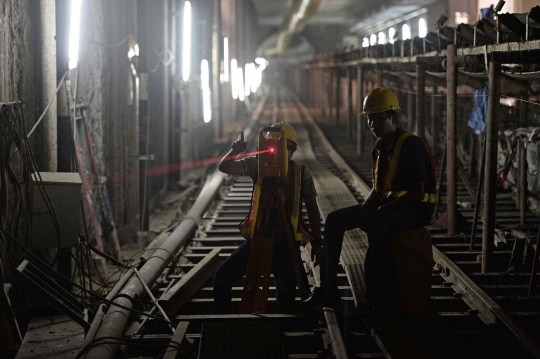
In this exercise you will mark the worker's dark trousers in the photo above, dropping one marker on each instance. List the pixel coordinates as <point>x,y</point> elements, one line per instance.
<point>379,269</point>
<point>235,267</point>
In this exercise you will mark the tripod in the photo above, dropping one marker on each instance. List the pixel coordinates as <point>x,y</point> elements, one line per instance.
<point>255,293</point>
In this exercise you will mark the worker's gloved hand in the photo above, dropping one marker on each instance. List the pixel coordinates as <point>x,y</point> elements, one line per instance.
<point>316,251</point>
<point>239,145</point>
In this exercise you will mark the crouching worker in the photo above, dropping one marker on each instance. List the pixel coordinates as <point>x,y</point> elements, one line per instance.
<point>402,198</point>
<point>299,186</point>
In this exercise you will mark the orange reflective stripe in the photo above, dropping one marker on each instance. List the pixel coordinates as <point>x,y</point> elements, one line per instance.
<point>391,173</point>
<point>247,226</point>
<point>376,171</point>
<point>428,197</point>
<point>392,167</point>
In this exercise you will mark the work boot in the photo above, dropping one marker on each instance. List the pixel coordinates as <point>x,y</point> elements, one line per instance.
<point>320,297</point>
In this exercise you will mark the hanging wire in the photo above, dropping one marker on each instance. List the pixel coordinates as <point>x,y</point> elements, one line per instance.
<point>522,100</point>
<point>108,45</point>
<point>68,280</point>
<point>48,105</point>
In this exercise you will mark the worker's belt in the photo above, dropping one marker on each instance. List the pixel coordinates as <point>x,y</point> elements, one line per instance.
<point>428,197</point>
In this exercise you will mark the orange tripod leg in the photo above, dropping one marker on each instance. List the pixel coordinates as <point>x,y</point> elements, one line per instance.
<point>256,285</point>
<point>301,277</point>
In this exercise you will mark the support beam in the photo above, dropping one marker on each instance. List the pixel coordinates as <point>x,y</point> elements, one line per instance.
<point>350,117</point>
<point>523,167</point>
<point>360,127</point>
<point>48,83</point>
<point>179,346</point>
<point>434,122</point>
<point>410,108</point>
<point>182,291</point>
<point>522,184</point>
<point>379,77</point>
<point>338,88</point>
<point>420,100</point>
<point>490,181</point>
<point>472,158</point>
<point>451,133</point>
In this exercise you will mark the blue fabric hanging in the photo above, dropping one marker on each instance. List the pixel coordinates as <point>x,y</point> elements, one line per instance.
<point>477,121</point>
<point>487,13</point>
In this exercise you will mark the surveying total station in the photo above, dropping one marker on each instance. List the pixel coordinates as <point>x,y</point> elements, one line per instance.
<point>273,163</point>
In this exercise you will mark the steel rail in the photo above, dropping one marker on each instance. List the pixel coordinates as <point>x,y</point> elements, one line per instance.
<point>488,310</point>
<point>116,319</point>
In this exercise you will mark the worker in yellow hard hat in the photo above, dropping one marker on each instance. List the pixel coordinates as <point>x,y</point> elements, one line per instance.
<point>403,197</point>
<point>235,266</point>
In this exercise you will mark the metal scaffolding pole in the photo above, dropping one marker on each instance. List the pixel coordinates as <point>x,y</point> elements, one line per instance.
<point>490,180</point>
<point>379,76</point>
<point>410,114</point>
<point>434,122</point>
<point>350,119</point>
<point>451,132</point>
<point>420,100</point>
<point>522,188</point>
<point>337,95</point>
<point>523,168</point>
<point>360,129</point>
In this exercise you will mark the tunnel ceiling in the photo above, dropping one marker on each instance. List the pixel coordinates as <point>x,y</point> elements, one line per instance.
<point>346,16</point>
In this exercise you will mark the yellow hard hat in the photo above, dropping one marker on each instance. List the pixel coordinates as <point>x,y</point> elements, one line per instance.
<point>380,100</point>
<point>290,133</point>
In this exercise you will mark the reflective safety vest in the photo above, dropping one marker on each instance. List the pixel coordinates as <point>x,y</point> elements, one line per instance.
<point>247,226</point>
<point>392,169</point>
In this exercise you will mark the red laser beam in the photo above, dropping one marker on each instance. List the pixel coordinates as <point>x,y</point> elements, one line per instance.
<point>161,170</point>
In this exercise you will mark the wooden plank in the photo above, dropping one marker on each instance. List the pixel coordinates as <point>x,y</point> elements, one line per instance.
<point>182,291</point>
<point>179,346</point>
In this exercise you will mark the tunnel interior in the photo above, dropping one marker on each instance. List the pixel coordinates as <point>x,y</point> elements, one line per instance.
<point>124,199</point>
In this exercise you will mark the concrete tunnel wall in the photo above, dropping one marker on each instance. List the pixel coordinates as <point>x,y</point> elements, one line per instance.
<point>106,83</point>
<point>33,57</point>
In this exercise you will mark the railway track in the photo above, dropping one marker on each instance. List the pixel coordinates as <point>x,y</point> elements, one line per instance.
<point>490,313</point>
<point>474,315</point>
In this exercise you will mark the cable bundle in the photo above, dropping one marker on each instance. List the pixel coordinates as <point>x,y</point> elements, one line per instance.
<point>13,175</point>
<point>17,163</point>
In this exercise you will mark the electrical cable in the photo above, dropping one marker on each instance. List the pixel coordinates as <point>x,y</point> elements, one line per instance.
<point>42,189</point>
<point>522,100</point>
<point>60,275</point>
<point>48,105</point>
<point>107,45</point>
<point>13,135</point>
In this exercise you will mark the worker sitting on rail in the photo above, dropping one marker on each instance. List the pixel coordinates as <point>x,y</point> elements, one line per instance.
<point>235,266</point>
<point>402,198</point>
